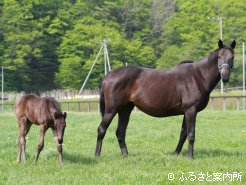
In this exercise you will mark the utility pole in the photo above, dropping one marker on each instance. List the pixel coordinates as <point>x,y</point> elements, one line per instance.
<point>106,58</point>
<point>220,21</point>
<point>106,62</point>
<point>243,61</point>
<point>2,87</point>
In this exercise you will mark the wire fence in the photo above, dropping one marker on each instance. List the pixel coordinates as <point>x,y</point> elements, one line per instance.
<point>215,103</point>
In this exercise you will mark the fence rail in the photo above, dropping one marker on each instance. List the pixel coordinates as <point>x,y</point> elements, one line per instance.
<point>215,103</point>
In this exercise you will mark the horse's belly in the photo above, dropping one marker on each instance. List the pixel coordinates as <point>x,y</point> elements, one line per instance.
<point>160,111</point>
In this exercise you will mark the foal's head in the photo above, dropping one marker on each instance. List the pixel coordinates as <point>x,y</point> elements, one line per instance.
<point>60,125</point>
<point>225,60</point>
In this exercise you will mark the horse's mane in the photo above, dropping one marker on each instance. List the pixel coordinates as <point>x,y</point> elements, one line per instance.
<point>185,62</point>
<point>213,55</point>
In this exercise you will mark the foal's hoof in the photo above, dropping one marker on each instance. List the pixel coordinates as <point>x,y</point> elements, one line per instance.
<point>61,163</point>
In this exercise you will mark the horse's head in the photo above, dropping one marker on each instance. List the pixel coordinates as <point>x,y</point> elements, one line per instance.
<point>60,125</point>
<point>225,60</point>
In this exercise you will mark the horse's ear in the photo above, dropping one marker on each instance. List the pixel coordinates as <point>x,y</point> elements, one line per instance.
<point>233,44</point>
<point>56,115</point>
<point>64,115</point>
<point>220,44</point>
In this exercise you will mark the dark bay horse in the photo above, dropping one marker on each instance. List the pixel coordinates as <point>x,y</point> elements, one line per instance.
<point>46,113</point>
<point>183,90</point>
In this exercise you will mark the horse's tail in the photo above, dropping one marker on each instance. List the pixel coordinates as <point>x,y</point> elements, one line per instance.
<point>102,102</point>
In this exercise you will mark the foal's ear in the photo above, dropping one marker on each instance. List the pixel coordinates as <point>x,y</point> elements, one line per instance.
<point>233,44</point>
<point>56,115</point>
<point>220,44</point>
<point>64,115</point>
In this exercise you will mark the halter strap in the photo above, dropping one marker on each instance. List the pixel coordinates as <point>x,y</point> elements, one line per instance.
<point>227,65</point>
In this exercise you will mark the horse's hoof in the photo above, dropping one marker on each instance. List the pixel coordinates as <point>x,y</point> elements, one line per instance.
<point>97,155</point>
<point>175,153</point>
<point>124,155</point>
<point>124,152</point>
<point>190,157</point>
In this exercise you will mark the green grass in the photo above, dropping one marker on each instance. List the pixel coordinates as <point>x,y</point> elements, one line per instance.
<point>227,93</point>
<point>220,147</point>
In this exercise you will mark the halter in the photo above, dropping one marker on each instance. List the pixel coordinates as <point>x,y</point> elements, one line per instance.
<point>221,66</point>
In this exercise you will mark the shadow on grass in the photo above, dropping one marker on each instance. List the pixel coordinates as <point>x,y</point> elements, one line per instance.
<point>202,153</point>
<point>210,153</point>
<point>79,159</point>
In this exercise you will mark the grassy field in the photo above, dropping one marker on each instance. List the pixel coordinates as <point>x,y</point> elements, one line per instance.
<point>220,148</point>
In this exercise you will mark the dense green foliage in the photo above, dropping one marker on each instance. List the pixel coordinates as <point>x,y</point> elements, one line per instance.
<point>220,147</point>
<point>47,44</point>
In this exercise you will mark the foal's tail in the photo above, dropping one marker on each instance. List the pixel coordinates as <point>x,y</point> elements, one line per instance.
<point>102,102</point>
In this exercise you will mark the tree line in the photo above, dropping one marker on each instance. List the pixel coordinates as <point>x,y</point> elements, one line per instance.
<point>51,44</point>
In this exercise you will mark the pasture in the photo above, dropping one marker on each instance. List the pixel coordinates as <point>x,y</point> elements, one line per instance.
<point>220,147</point>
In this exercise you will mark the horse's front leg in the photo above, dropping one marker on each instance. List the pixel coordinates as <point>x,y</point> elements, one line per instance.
<point>190,119</point>
<point>43,129</point>
<point>59,145</point>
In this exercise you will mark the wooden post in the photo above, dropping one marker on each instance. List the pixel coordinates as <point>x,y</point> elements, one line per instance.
<point>238,103</point>
<point>224,103</point>
<point>79,107</point>
<point>89,107</point>
<point>212,103</point>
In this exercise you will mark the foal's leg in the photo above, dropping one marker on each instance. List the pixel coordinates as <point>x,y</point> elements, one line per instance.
<point>124,115</point>
<point>183,136</point>
<point>21,138</point>
<point>106,120</point>
<point>24,127</point>
<point>190,119</point>
<point>59,146</point>
<point>43,129</point>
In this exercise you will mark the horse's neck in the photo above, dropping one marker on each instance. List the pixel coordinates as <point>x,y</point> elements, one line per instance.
<point>210,73</point>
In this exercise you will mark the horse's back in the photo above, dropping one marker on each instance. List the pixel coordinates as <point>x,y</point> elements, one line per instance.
<point>122,74</point>
<point>35,108</point>
<point>121,79</point>
<point>23,103</point>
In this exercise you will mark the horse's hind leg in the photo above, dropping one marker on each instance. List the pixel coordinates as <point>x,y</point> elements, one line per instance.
<point>106,120</point>
<point>124,115</point>
<point>24,127</point>
<point>183,136</point>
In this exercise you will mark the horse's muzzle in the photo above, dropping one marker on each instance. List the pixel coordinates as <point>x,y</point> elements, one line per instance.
<point>225,74</point>
<point>225,77</point>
